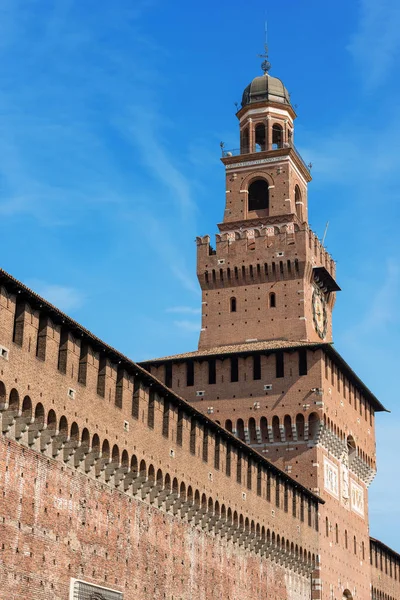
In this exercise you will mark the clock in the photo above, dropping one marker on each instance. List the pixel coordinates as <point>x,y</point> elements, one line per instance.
<point>319,313</point>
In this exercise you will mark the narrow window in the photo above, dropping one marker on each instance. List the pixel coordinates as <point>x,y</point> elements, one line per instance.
<point>294,504</point>
<point>257,366</point>
<point>277,492</point>
<point>239,468</point>
<point>101,376</point>
<point>165,426</point>
<point>337,533</point>
<point>326,527</point>
<point>135,398</point>
<point>83,363</point>
<point>168,375</point>
<point>63,351</point>
<point>217,452</point>
<point>150,409</point>
<point>345,539</point>
<point>286,498</point>
<point>280,365</point>
<point>309,513</point>
<point>193,436</point>
<point>42,337</point>
<point>303,361</point>
<point>355,544</point>
<point>19,322</point>
<point>212,375</point>
<point>249,473</point>
<point>119,387</point>
<point>258,195</point>
<point>302,508</point>
<point>190,373</point>
<point>205,444</point>
<point>259,479</point>
<point>234,369</point>
<point>269,486</point>
<point>228,460</point>
<point>272,300</point>
<point>179,429</point>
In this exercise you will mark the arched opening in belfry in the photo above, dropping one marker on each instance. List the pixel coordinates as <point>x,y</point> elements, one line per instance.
<point>277,136</point>
<point>258,195</point>
<point>298,202</point>
<point>244,141</point>
<point>261,138</point>
<point>351,446</point>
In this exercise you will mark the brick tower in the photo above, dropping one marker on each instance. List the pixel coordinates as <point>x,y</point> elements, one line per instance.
<point>265,368</point>
<point>269,277</point>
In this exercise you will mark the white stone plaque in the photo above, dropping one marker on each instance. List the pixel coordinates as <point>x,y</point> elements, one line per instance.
<point>357,498</point>
<point>331,477</point>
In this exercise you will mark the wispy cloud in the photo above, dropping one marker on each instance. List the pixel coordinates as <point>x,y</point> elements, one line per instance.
<point>188,326</point>
<point>185,310</point>
<point>63,297</point>
<point>375,46</point>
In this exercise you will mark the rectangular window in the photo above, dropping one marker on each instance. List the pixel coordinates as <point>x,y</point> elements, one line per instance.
<point>257,366</point>
<point>286,498</point>
<point>249,473</point>
<point>205,444</point>
<point>228,460</point>
<point>309,513</point>
<point>165,427</point>
<point>277,493</point>
<point>150,409</point>
<point>42,337</point>
<point>239,468</point>
<point>280,365</point>
<point>259,479</point>
<point>303,362</point>
<point>83,362</point>
<point>212,374</point>
<point>234,369</point>
<point>168,375</point>
<point>269,486</point>
<point>217,452</point>
<point>63,353</point>
<point>101,375</point>
<point>119,387</point>
<point>326,367</point>
<point>193,436</point>
<point>135,398</point>
<point>190,373</point>
<point>294,503</point>
<point>301,507</point>
<point>179,429</point>
<point>19,321</point>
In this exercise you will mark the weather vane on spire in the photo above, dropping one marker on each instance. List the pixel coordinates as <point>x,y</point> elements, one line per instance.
<point>265,65</point>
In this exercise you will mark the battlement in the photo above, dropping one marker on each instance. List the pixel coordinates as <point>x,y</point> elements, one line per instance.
<point>69,396</point>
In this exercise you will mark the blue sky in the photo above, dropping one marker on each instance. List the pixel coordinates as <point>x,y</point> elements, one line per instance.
<point>111,114</point>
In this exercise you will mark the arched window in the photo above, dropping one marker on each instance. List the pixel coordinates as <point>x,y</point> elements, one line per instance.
<point>277,136</point>
<point>272,300</point>
<point>233,304</point>
<point>351,446</point>
<point>258,195</point>
<point>244,141</point>
<point>298,202</point>
<point>260,137</point>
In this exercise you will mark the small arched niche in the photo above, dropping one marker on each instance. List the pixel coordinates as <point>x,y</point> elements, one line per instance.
<point>233,304</point>
<point>258,196</point>
<point>298,202</point>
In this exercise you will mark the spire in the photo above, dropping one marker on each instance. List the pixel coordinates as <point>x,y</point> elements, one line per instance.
<point>265,65</point>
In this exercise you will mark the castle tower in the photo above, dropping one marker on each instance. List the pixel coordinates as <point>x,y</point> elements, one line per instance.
<point>265,368</point>
<point>269,277</point>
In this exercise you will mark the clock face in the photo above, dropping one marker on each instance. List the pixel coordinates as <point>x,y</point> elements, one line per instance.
<point>319,313</point>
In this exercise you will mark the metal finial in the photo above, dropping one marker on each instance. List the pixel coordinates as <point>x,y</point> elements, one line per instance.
<point>265,65</point>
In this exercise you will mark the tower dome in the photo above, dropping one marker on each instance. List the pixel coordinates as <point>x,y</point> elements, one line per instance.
<point>265,89</point>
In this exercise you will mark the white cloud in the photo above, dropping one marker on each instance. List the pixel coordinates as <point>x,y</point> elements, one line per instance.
<point>375,46</point>
<point>188,326</point>
<point>188,310</point>
<point>63,297</point>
